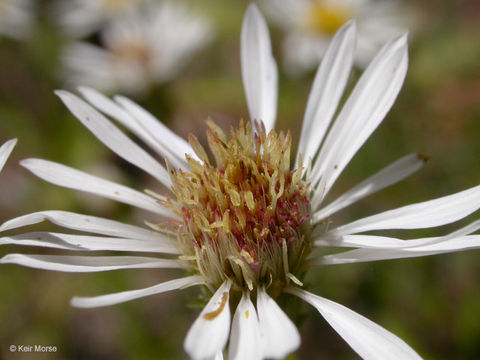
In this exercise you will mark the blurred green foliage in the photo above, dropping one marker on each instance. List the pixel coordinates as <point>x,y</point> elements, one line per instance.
<point>432,303</point>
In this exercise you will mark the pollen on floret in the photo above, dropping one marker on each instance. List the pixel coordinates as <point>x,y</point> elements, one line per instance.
<point>246,215</point>
<point>223,302</point>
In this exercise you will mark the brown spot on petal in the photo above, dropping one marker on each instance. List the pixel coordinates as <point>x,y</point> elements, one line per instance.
<point>212,315</point>
<point>247,314</point>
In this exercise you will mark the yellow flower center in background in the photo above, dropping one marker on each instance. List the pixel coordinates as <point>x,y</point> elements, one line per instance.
<point>133,52</point>
<point>116,5</point>
<point>327,17</point>
<point>246,218</point>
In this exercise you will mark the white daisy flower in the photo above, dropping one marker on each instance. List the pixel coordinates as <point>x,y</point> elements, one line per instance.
<point>16,18</point>
<point>82,17</point>
<point>149,45</point>
<point>311,24</point>
<point>245,225</point>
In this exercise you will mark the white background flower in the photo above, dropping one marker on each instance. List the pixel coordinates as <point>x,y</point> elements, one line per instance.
<point>82,17</point>
<point>148,45</point>
<point>310,25</point>
<point>16,18</point>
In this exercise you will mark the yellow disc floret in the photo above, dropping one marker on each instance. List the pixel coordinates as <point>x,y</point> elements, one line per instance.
<point>246,218</point>
<point>117,5</point>
<point>327,16</point>
<point>135,52</point>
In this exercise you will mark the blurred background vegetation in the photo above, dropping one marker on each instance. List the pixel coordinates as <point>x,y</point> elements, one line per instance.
<point>433,303</point>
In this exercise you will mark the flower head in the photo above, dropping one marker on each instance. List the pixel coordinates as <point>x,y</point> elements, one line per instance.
<point>243,222</point>
<point>83,17</point>
<point>147,45</point>
<point>16,17</point>
<point>310,25</point>
<point>246,218</point>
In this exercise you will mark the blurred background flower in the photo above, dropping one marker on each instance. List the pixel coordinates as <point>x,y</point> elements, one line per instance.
<point>309,26</point>
<point>148,44</point>
<point>432,303</point>
<point>16,18</point>
<point>83,17</point>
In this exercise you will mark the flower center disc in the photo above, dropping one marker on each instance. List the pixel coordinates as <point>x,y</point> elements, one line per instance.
<point>248,217</point>
<point>327,17</point>
<point>116,5</point>
<point>135,52</point>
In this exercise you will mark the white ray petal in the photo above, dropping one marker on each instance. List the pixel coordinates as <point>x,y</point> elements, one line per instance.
<point>444,210</point>
<point>82,222</point>
<point>466,230</point>
<point>389,175</point>
<point>431,248</point>
<point>366,107</point>
<point>279,334</point>
<point>327,89</point>
<point>68,177</point>
<point>88,243</point>
<point>361,241</point>
<point>117,298</point>
<point>245,340</point>
<point>173,145</point>
<point>382,242</point>
<point>259,70</point>
<point>218,356</point>
<point>5,151</point>
<point>209,333</point>
<point>113,138</point>
<point>111,108</point>
<point>89,263</point>
<point>366,338</point>
<point>30,239</point>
